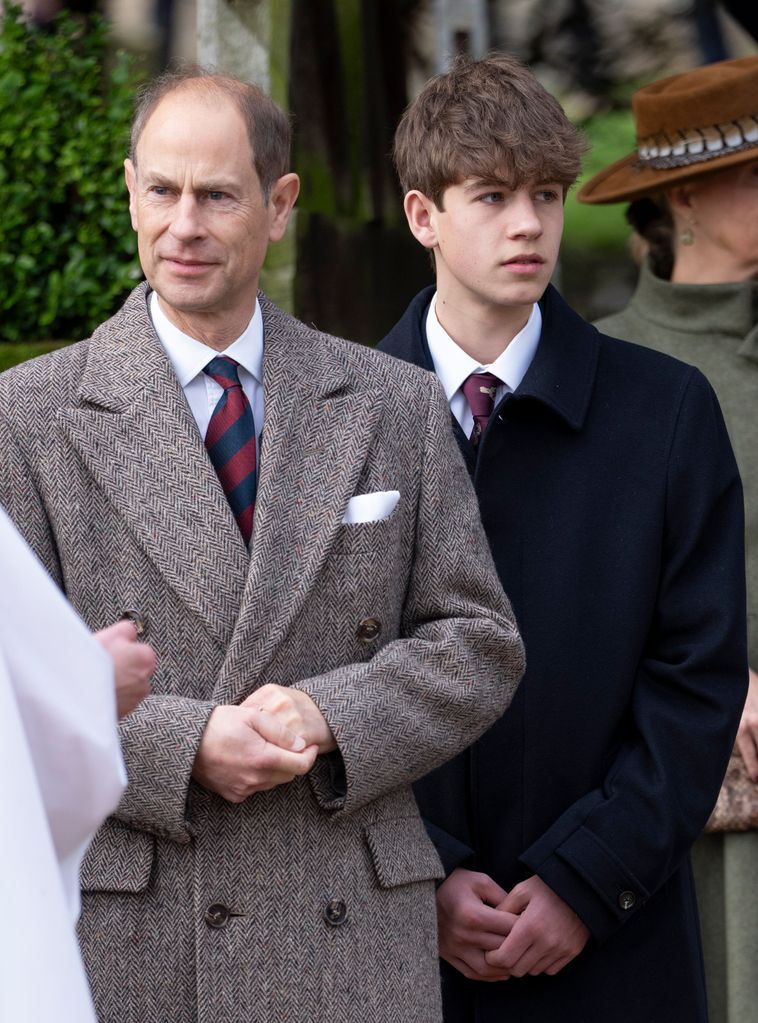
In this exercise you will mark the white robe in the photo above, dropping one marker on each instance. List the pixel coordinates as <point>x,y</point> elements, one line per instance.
<point>62,774</point>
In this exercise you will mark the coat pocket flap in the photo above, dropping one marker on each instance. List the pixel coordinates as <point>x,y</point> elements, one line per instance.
<point>402,852</point>
<point>119,860</point>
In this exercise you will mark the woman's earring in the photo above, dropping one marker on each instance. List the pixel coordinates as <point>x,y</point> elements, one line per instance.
<point>687,236</point>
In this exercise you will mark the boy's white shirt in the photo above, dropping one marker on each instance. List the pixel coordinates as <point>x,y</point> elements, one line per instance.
<point>453,366</point>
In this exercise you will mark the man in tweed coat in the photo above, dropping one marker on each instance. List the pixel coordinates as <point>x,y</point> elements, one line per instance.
<point>367,640</point>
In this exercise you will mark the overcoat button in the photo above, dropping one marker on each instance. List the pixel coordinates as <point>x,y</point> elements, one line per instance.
<point>369,629</point>
<point>217,915</point>
<point>627,900</point>
<point>335,912</point>
<point>136,618</point>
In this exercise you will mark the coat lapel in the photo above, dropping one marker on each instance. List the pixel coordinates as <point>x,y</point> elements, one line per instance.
<point>135,432</point>
<point>562,373</point>
<point>407,340</point>
<point>317,429</point>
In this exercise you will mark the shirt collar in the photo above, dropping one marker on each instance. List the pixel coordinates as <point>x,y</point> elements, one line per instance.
<point>188,356</point>
<point>452,365</point>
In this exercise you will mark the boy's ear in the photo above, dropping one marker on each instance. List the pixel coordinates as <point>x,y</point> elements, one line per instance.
<point>421,214</point>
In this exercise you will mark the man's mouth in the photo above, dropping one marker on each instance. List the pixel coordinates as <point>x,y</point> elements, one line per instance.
<point>182,265</point>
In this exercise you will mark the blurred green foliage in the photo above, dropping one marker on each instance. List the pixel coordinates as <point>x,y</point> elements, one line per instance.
<point>67,251</point>
<point>611,136</point>
<point>12,354</point>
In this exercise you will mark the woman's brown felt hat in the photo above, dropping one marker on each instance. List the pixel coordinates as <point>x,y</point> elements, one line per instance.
<point>687,125</point>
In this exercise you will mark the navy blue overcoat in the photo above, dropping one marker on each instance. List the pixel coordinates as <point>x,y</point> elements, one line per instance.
<point>613,506</point>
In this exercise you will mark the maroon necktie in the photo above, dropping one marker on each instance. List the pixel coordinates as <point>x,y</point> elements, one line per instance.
<point>480,390</point>
<point>230,442</point>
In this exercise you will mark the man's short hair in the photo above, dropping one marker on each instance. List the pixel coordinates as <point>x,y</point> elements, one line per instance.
<point>488,119</point>
<point>268,127</point>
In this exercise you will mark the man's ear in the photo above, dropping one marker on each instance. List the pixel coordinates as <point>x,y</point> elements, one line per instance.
<point>421,214</point>
<point>284,193</point>
<point>130,176</point>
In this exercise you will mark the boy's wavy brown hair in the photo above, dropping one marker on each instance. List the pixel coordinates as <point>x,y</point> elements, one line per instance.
<point>488,119</point>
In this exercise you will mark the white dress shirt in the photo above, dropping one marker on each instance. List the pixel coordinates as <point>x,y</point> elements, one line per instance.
<point>453,366</point>
<point>189,356</point>
<point>63,774</point>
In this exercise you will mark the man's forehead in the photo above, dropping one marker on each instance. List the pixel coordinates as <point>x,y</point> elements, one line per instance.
<point>192,103</point>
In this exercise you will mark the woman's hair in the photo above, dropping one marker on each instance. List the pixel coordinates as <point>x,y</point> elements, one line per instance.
<point>652,220</point>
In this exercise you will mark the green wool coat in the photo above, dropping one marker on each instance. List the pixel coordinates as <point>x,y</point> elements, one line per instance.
<point>715,327</point>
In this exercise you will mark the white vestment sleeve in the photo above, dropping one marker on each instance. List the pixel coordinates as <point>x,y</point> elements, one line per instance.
<point>62,775</point>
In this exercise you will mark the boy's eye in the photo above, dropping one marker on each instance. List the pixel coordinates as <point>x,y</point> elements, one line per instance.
<point>548,195</point>
<point>491,197</point>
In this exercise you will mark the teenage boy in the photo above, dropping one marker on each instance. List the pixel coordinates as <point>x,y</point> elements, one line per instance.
<point>613,506</point>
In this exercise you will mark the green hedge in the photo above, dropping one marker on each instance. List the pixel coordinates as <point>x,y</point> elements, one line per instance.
<point>67,251</point>
<point>611,136</point>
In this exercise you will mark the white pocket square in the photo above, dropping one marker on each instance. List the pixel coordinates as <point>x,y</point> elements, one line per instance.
<point>370,507</point>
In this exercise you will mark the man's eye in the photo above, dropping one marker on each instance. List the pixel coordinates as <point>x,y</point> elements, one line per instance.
<point>158,190</point>
<point>216,196</point>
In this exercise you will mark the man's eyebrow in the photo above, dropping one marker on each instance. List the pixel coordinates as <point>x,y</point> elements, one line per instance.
<point>216,186</point>
<point>156,178</point>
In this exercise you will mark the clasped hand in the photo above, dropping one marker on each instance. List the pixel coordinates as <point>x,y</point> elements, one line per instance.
<point>489,934</point>
<point>269,740</point>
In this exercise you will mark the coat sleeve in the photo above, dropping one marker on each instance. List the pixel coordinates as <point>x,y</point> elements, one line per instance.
<point>610,851</point>
<point>158,803</point>
<point>455,666</point>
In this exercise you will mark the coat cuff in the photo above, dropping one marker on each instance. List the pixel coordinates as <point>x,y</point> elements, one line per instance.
<point>329,781</point>
<point>160,740</point>
<point>590,878</point>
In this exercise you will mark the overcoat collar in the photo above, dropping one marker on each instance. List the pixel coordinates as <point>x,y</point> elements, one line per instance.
<point>562,373</point>
<point>136,433</point>
<point>715,310</point>
<point>137,436</point>
<point>318,423</point>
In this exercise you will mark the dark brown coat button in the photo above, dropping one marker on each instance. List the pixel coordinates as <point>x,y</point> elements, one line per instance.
<point>369,630</point>
<point>136,618</point>
<point>627,900</point>
<point>217,915</point>
<point>335,912</point>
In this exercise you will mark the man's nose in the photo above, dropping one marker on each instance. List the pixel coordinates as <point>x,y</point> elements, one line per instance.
<point>186,223</point>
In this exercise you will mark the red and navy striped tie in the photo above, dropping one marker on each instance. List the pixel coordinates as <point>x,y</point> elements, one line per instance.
<point>230,442</point>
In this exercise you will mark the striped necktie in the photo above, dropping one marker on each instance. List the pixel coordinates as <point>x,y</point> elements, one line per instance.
<point>480,390</point>
<point>230,442</point>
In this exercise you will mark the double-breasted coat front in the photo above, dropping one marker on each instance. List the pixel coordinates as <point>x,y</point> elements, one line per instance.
<point>613,507</point>
<point>313,901</point>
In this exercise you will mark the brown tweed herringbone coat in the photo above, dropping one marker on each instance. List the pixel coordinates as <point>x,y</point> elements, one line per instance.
<point>328,880</point>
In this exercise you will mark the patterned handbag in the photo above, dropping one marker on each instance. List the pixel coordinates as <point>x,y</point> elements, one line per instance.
<point>736,808</point>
